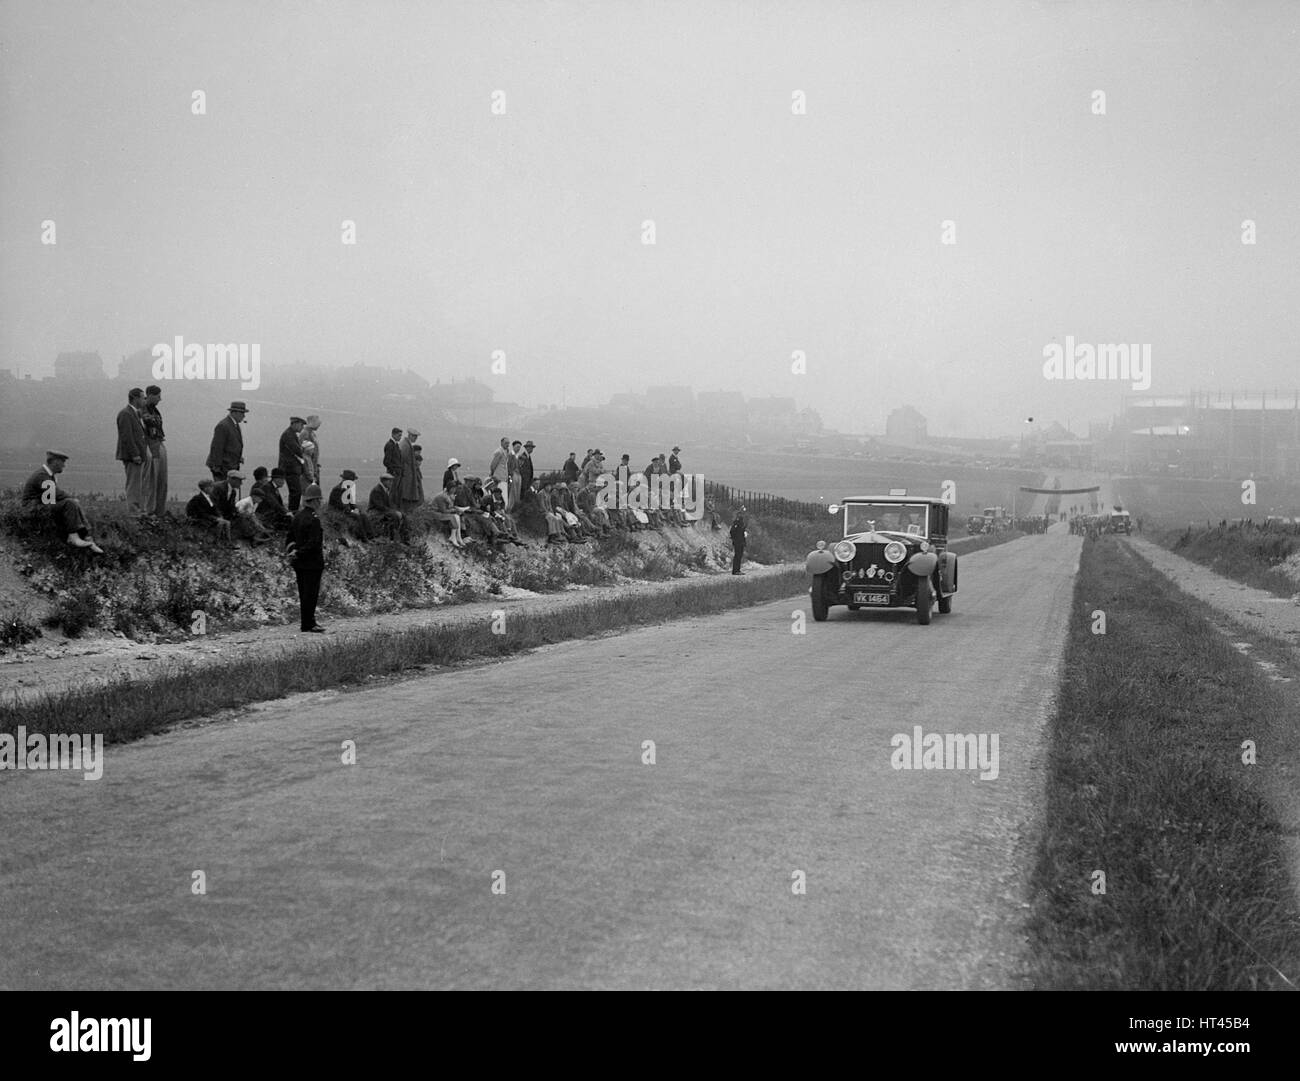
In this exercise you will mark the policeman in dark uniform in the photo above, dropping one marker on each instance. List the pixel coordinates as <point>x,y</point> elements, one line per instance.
<point>738,536</point>
<point>305,545</point>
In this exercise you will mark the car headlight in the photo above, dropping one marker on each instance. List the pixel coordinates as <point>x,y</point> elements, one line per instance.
<point>895,551</point>
<point>845,550</point>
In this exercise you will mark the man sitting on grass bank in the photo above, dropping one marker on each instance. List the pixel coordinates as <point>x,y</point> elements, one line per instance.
<point>42,490</point>
<point>202,511</point>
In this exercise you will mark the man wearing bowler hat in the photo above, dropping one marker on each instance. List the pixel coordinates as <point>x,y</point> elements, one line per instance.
<point>293,463</point>
<point>305,545</point>
<point>343,506</point>
<point>227,450</point>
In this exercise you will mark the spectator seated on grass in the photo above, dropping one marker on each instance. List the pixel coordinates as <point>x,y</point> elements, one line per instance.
<point>343,510</point>
<point>567,499</point>
<point>555,532</point>
<point>226,496</point>
<point>442,508</point>
<point>558,494</point>
<point>501,518</point>
<point>385,519</point>
<point>247,521</point>
<point>202,512</point>
<point>271,509</point>
<point>470,505</point>
<point>41,493</point>
<point>589,506</point>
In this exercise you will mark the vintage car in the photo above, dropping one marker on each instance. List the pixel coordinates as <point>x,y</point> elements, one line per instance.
<point>1120,522</point>
<point>894,554</point>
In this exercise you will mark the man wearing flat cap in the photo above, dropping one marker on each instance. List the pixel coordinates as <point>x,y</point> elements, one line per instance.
<point>227,450</point>
<point>271,510</point>
<point>305,546</point>
<point>410,484</point>
<point>292,461</point>
<point>41,490</point>
<point>133,448</point>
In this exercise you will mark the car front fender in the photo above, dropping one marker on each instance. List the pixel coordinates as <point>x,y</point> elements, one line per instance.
<point>819,562</point>
<point>922,564</point>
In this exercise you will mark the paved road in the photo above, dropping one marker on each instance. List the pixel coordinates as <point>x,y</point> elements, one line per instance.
<point>772,756</point>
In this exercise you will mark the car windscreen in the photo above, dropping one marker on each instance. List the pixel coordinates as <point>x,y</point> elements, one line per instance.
<point>901,518</point>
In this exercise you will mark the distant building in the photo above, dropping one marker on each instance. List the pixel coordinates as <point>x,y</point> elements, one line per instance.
<point>725,408</point>
<point>79,366</point>
<point>906,426</point>
<point>677,401</point>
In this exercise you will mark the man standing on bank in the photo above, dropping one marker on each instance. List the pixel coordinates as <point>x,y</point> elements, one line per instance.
<point>227,449</point>
<point>133,448</point>
<point>738,535</point>
<point>155,484</point>
<point>306,548</point>
<point>293,463</point>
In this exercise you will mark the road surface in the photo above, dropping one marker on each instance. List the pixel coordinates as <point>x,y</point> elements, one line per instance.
<point>772,760</point>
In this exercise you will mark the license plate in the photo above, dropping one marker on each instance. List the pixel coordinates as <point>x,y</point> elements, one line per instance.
<point>871,598</point>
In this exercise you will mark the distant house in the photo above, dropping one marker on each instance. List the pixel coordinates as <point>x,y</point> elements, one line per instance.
<point>725,408</point>
<point>906,426</point>
<point>79,366</point>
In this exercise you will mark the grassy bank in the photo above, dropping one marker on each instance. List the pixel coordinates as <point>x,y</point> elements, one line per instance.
<point>128,709</point>
<point>1146,784</point>
<point>1266,557</point>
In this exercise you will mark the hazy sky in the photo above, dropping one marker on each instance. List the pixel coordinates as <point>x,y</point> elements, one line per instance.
<point>775,232</point>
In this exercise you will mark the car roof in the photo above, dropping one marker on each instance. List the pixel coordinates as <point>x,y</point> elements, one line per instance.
<point>931,500</point>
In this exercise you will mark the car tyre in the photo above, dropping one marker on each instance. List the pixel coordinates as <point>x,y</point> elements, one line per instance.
<point>820,609</point>
<point>924,601</point>
<point>945,604</point>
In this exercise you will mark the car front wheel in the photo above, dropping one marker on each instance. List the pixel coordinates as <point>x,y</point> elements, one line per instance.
<point>924,600</point>
<point>820,608</point>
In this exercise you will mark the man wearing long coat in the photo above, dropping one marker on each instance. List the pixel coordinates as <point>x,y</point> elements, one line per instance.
<point>410,484</point>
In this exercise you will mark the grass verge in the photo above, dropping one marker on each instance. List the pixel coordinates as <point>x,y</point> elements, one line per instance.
<point>128,709</point>
<point>1254,556</point>
<point>1146,783</point>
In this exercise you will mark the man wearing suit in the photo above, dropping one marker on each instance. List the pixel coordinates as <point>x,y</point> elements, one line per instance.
<point>497,467</point>
<point>384,516</point>
<point>271,510</point>
<point>202,511</point>
<point>155,478</point>
<point>292,461</point>
<point>306,547</point>
<point>133,448</point>
<point>42,490</point>
<point>227,450</point>
<point>393,453</point>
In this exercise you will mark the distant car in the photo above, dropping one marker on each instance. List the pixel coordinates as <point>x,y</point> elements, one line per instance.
<point>1121,522</point>
<point>893,554</point>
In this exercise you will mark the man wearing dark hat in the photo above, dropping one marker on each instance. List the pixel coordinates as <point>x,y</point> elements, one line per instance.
<point>343,506</point>
<point>675,463</point>
<point>570,468</point>
<point>155,477</point>
<point>271,510</point>
<point>133,448</point>
<point>41,490</point>
<point>293,462</point>
<point>227,450</point>
<point>305,545</point>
